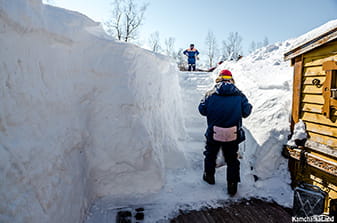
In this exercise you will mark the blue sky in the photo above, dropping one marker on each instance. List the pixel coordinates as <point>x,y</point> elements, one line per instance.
<point>188,21</point>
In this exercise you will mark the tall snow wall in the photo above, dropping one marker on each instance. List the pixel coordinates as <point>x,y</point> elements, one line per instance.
<point>81,116</point>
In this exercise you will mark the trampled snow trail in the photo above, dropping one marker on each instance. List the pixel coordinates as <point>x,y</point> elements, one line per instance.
<point>194,86</point>
<point>184,188</point>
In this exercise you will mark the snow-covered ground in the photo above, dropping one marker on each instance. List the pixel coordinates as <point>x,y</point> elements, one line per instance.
<point>88,124</point>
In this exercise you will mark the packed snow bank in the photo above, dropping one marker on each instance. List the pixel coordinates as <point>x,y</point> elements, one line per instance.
<point>266,79</point>
<point>81,116</point>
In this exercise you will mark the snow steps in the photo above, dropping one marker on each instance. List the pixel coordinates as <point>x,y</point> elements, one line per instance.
<point>252,211</point>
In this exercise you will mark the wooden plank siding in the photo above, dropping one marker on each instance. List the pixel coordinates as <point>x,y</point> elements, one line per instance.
<point>313,108</point>
<point>311,89</point>
<point>313,71</point>
<point>323,139</point>
<point>313,99</point>
<point>317,110</point>
<point>318,60</point>
<point>308,80</point>
<point>320,128</point>
<point>318,118</point>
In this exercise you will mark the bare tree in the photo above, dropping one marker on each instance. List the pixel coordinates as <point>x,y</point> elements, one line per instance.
<point>154,42</point>
<point>134,18</point>
<point>126,18</point>
<point>256,45</point>
<point>169,47</point>
<point>212,46</point>
<point>114,24</point>
<point>252,47</point>
<point>232,49</point>
<point>265,41</point>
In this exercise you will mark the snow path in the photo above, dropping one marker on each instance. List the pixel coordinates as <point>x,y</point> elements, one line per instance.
<point>184,188</point>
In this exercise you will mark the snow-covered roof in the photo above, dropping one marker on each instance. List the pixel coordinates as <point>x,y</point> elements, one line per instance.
<point>313,39</point>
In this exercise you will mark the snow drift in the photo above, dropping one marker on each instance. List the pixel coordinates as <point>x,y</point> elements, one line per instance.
<point>81,116</point>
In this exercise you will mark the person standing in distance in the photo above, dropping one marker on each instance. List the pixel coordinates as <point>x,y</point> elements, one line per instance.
<point>224,107</point>
<point>192,54</point>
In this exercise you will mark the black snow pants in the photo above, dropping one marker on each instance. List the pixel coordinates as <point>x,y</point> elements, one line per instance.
<point>229,150</point>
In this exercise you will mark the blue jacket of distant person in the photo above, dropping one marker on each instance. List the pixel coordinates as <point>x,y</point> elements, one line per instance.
<point>225,106</point>
<point>191,53</point>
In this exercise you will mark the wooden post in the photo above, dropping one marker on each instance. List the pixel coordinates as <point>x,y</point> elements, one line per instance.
<point>328,67</point>
<point>297,87</point>
<point>327,94</point>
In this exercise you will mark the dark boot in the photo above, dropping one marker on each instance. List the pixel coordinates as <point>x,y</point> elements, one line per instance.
<point>208,178</point>
<point>189,67</point>
<point>232,188</point>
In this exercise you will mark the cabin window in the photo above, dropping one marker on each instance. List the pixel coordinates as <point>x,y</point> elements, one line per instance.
<point>330,88</point>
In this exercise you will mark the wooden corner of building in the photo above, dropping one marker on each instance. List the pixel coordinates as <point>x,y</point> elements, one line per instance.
<point>297,87</point>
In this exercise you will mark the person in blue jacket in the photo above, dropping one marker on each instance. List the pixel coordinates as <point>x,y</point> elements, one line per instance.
<point>192,54</point>
<point>224,106</point>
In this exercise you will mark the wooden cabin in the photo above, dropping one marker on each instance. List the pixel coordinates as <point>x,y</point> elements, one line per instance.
<point>315,102</point>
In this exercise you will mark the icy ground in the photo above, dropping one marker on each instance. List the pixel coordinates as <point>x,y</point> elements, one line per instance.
<point>184,188</point>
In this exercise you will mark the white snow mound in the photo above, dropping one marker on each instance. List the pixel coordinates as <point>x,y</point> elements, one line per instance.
<point>81,116</point>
